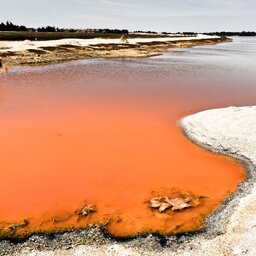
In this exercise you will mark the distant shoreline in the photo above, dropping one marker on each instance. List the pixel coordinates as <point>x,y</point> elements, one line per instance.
<point>224,33</point>
<point>37,52</point>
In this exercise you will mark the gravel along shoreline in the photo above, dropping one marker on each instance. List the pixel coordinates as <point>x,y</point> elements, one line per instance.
<point>230,230</point>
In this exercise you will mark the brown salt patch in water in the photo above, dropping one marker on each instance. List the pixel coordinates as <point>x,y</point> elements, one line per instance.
<point>55,161</point>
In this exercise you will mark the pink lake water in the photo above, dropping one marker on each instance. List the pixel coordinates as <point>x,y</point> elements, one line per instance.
<point>106,133</point>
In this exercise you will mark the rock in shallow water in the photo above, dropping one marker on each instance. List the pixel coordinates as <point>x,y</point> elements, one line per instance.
<point>163,203</point>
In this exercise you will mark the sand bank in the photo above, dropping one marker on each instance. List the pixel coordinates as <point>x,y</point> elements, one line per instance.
<point>230,231</point>
<point>56,51</point>
<point>16,46</point>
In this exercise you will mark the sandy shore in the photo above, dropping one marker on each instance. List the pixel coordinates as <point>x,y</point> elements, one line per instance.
<point>56,51</point>
<point>229,231</point>
<point>230,131</point>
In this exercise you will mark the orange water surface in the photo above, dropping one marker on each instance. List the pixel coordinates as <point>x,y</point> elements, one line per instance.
<point>68,140</point>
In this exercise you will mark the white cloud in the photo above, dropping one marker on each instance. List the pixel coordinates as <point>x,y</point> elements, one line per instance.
<point>173,8</point>
<point>133,14</point>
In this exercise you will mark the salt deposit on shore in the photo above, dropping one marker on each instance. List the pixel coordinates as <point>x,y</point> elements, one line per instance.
<point>230,131</point>
<point>16,46</point>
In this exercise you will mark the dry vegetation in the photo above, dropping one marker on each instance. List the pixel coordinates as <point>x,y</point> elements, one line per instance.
<point>25,35</point>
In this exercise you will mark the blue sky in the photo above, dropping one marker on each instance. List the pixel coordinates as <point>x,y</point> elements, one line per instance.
<point>159,15</point>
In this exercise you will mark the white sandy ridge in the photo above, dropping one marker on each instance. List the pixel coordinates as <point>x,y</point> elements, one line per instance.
<point>15,46</point>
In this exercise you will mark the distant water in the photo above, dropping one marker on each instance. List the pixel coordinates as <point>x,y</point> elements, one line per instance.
<point>106,132</point>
